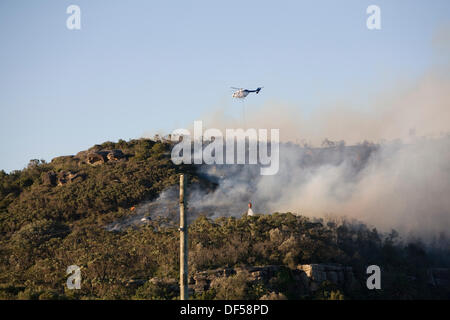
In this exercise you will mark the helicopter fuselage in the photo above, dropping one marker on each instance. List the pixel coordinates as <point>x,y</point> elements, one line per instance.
<point>241,94</point>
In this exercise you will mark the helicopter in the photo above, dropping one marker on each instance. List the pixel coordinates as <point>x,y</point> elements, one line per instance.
<point>241,93</point>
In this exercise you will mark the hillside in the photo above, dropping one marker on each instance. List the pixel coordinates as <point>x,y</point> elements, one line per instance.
<point>82,210</point>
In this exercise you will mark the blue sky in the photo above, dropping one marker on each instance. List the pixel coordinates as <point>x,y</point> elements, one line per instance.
<point>137,67</point>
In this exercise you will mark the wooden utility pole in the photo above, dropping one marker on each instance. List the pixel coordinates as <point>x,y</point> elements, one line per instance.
<point>183,245</point>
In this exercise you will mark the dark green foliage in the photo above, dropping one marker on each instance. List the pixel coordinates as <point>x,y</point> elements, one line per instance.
<point>106,188</point>
<point>329,291</point>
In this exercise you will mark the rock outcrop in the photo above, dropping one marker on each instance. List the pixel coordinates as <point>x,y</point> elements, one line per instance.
<point>115,155</point>
<point>318,273</point>
<point>61,178</point>
<point>306,279</point>
<point>96,158</point>
<point>64,177</point>
<point>100,157</point>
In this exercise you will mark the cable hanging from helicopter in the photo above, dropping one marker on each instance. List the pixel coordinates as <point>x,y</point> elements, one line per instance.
<point>241,94</point>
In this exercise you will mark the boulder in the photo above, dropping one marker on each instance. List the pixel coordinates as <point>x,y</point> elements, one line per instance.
<point>61,178</point>
<point>102,156</point>
<point>96,158</point>
<point>115,155</point>
<point>64,177</point>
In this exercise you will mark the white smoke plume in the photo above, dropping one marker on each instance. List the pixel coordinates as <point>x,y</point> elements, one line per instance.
<point>414,109</point>
<point>401,182</point>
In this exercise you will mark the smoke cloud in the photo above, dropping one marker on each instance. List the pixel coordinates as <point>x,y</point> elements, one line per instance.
<point>417,109</point>
<point>400,181</point>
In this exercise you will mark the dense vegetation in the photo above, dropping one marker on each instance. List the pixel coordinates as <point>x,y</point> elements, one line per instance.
<point>44,229</point>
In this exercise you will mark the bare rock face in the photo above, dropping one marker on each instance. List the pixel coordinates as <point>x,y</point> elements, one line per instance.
<point>303,281</point>
<point>97,158</point>
<point>268,275</point>
<point>100,157</point>
<point>94,156</point>
<point>317,273</point>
